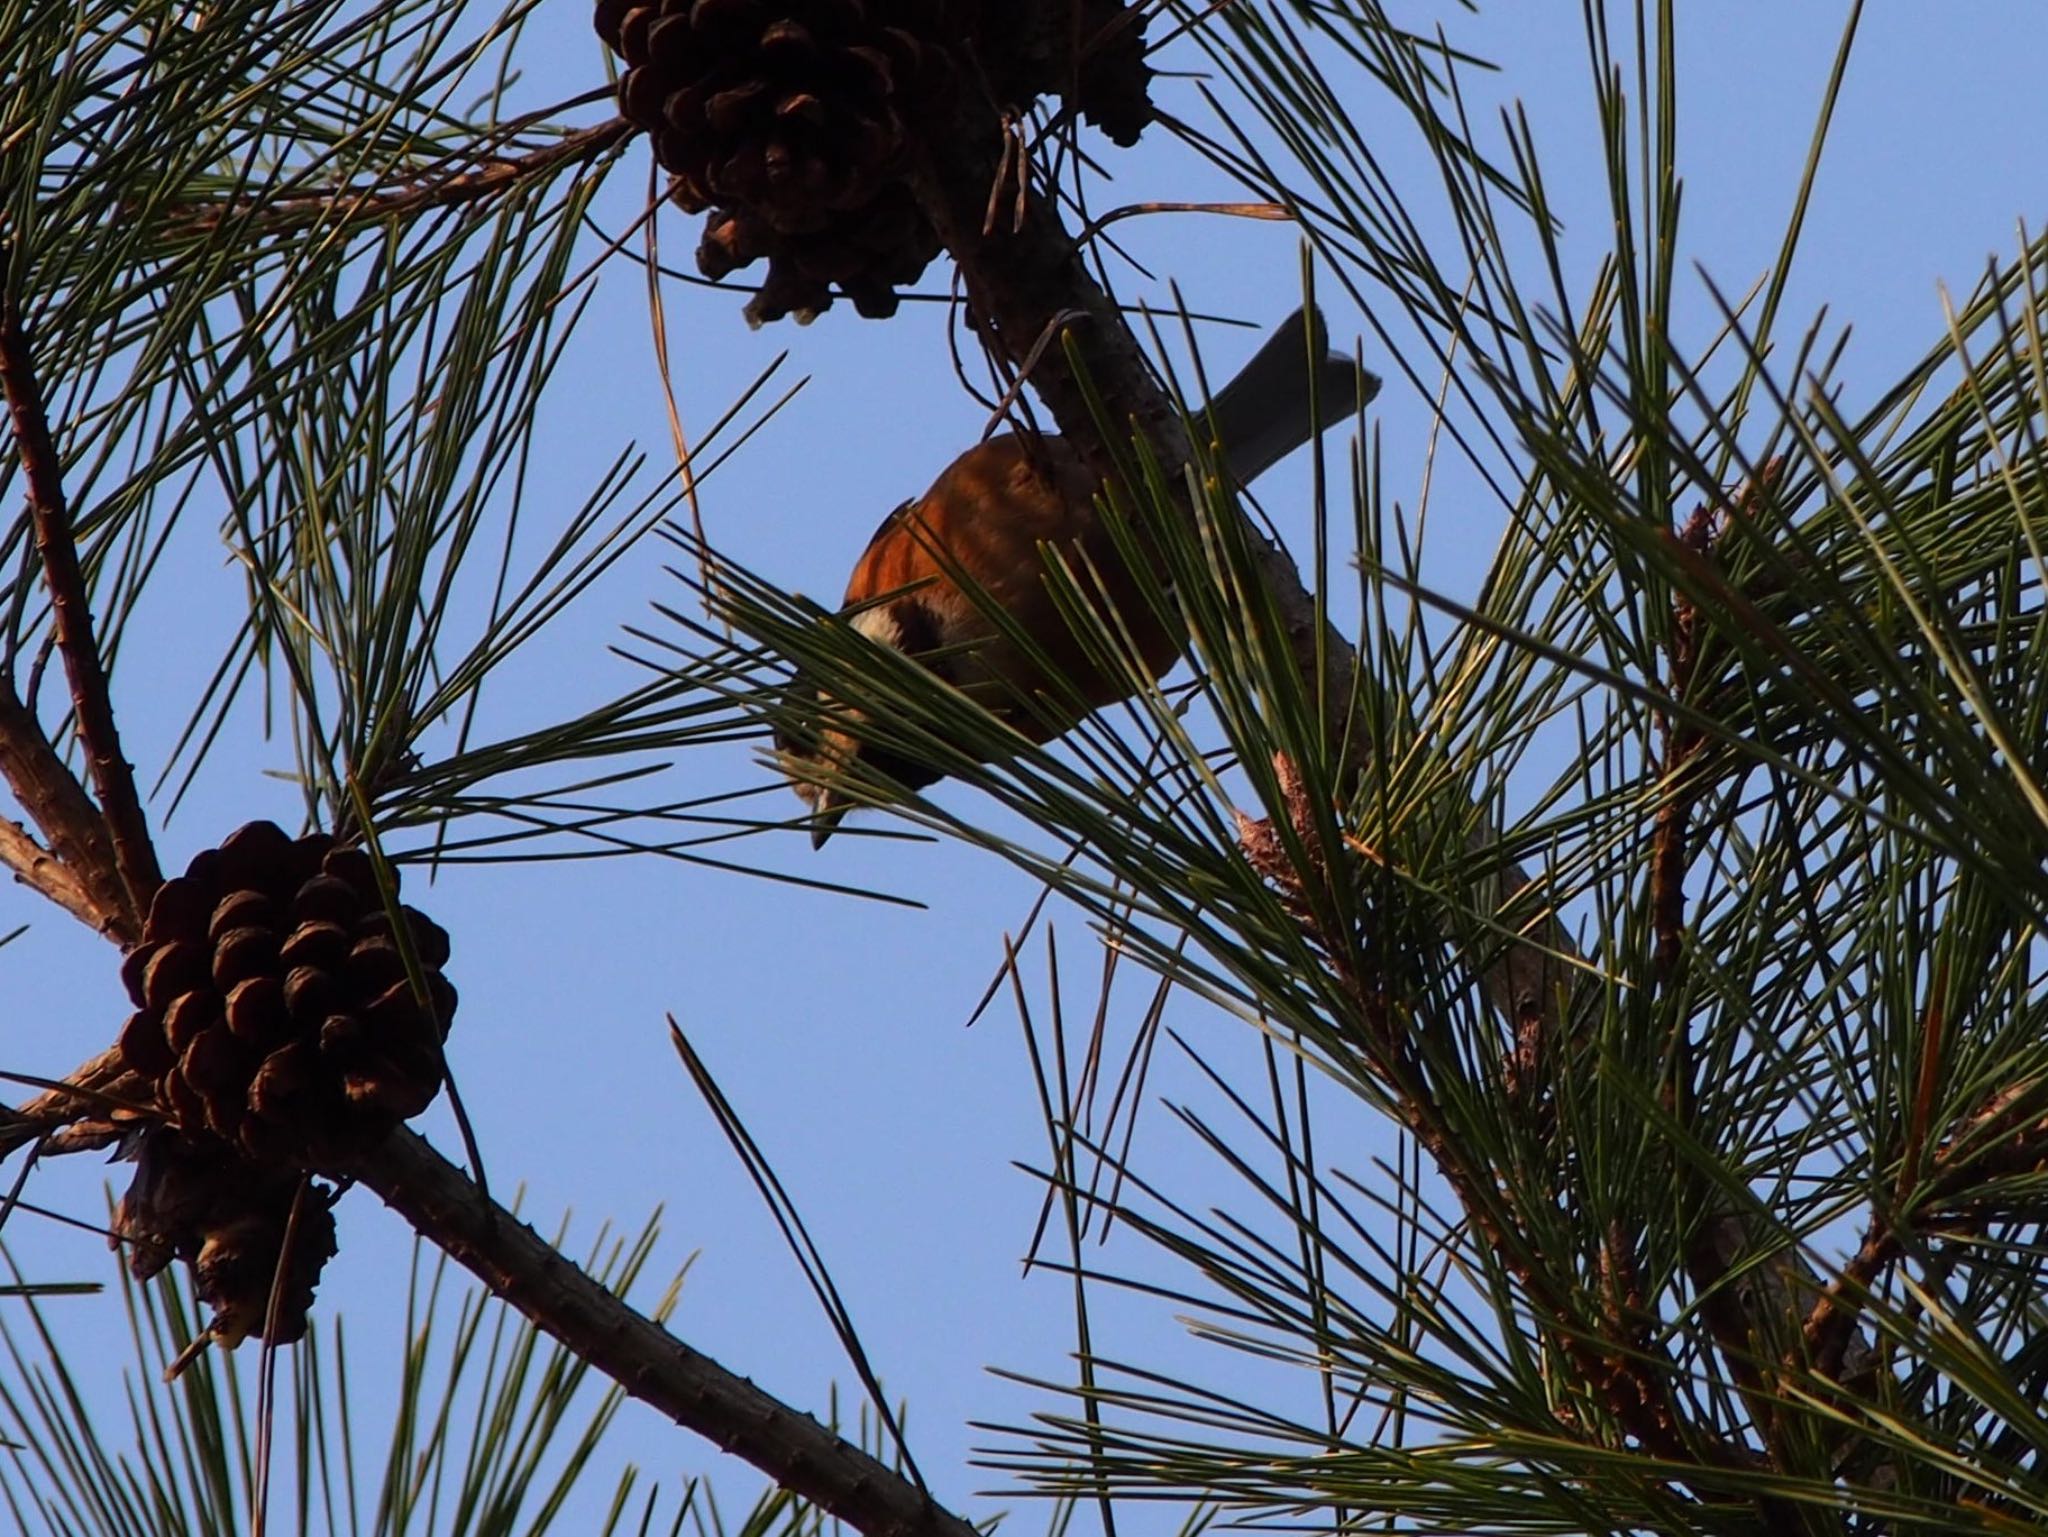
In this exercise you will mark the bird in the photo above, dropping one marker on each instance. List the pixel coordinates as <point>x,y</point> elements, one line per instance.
<point>996,516</point>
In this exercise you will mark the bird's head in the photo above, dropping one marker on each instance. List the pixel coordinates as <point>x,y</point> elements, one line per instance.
<point>829,745</point>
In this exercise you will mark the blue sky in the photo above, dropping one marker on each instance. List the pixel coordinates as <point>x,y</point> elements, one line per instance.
<point>835,1026</point>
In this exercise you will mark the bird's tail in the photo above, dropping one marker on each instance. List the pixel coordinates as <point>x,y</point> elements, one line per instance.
<point>1292,389</point>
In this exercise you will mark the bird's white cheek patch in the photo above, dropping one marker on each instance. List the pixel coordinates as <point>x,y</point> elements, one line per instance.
<point>879,625</point>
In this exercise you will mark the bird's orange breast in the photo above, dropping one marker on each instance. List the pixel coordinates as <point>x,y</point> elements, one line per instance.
<point>990,516</point>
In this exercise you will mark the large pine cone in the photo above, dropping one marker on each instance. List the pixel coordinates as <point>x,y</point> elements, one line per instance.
<point>273,1009</point>
<point>793,122</point>
<point>795,111</point>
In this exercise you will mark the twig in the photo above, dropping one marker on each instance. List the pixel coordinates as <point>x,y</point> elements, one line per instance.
<point>38,869</point>
<point>1022,374</point>
<point>70,612</point>
<point>87,1090</point>
<point>1721,1241</point>
<point>2006,1137</point>
<point>1833,1317</point>
<point>66,817</point>
<point>377,202</point>
<point>651,1364</point>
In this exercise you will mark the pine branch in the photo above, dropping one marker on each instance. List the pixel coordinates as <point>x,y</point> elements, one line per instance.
<point>1719,1244</point>
<point>70,824</point>
<point>38,869</point>
<point>517,1264</point>
<point>421,194</point>
<point>1026,283</point>
<point>651,1364</point>
<point>2006,1139</point>
<point>1633,1376</point>
<point>71,615</point>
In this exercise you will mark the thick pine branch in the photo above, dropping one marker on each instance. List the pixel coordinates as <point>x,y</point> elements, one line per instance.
<point>651,1364</point>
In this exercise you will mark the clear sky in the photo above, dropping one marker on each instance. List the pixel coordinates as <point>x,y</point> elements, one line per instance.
<point>835,1026</point>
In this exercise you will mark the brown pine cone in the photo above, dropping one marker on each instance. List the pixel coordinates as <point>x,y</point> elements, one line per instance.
<point>193,1198</point>
<point>273,1005</point>
<point>277,1019</point>
<point>793,112</point>
<point>791,124</point>
<point>1089,52</point>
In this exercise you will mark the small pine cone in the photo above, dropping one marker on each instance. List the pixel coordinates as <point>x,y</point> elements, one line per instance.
<point>246,963</point>
<point>1089,52</point>
<point>193,1199</point>
<point>1114,90</point>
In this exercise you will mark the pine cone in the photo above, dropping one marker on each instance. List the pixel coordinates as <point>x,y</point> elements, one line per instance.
<point>193,1199</point>
<point>866,254</point>
<point>794,112</point>
<point>791,124</point>
<point>1089,52</point>
<point>273,1009</point>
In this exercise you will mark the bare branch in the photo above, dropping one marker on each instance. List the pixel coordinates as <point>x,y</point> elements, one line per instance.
<point>38,869</point>
<point>70,613</point>
<point>520,1266</point>
<point>70,824</point>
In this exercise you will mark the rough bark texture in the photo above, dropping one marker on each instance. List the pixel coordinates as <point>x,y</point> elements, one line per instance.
<point>71,613</point>
<point>69,822</point>
<point>517,1264</point>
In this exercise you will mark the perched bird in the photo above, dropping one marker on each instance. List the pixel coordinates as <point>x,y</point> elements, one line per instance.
<point>995,515</point>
